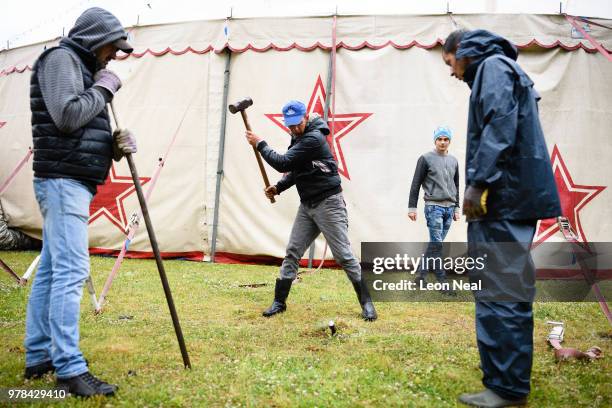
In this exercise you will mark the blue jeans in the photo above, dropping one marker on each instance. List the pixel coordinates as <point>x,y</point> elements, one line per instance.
<point>52,319</point>
<point>439,220</point>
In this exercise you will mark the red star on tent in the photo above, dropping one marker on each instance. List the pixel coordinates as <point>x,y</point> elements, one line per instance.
<point>573,198</point>
<point>342,123</point>
<point>109,200</point>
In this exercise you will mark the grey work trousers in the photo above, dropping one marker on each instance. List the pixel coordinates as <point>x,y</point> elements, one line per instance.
<point>330,218</point>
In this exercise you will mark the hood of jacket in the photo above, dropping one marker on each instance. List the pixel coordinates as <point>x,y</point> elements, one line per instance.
<point>479,45</point>
<point>94,28</point>
<point>315,122</point>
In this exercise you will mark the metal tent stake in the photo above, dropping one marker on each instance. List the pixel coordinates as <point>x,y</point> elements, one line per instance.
<point>154,246</point>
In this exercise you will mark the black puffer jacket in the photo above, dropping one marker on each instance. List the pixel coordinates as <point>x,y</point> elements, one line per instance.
<point>84,154</point>
<point>309,164</point>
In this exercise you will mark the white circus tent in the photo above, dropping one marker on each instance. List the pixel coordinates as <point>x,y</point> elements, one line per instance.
<point>391,90</point>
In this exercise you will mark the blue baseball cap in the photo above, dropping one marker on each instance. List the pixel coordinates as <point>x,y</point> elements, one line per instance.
<point>293,113</point>
<point>443,131</point>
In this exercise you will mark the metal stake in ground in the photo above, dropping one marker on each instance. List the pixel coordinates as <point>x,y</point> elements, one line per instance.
<point>154,246</point>
<point>10,272</point>
<point>241,107</point>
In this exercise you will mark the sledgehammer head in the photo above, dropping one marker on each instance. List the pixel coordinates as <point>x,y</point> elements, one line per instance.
<point>240,105</point>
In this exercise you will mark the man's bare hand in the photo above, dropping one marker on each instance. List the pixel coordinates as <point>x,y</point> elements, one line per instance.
<point>412,215</point>
<point>252,138</point>
<point>270,192</point>
<point>456,216</point>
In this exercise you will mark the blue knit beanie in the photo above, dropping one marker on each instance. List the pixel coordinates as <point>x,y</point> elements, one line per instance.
<point>443,131</point>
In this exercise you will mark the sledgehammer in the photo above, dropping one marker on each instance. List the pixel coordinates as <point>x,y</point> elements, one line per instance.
<point>241,107</point>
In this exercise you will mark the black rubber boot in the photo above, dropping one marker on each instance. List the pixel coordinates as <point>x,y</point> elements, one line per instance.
<point>86,385</point>
<point>448,292</point>
<point>489,399</point>
<point>368,312</point>
<point>418,280</point>
<point>281,291</point>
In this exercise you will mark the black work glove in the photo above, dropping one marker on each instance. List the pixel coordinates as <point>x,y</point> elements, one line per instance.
<point>475,202</point>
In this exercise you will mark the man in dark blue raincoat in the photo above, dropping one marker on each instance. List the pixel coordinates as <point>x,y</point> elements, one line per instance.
<point>509,186</point>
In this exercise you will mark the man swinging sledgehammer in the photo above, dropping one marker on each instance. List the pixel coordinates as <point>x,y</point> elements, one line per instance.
<point>310,165</point>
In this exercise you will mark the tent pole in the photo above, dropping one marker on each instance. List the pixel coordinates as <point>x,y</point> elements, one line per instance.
<point>328,91</point>
<point>226,78</point>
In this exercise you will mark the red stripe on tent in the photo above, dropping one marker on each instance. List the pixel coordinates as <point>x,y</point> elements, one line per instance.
<point>192,255</point>
<point>22,163</point>
<point>220,257</point>
<point>572,274</point>
<point>274,47</point>
<point>168,50</point>
<point>231,258</point>
<point>413,43</point>
<point>317,45</point>
<point>557,43</point>
<point>15,70</point>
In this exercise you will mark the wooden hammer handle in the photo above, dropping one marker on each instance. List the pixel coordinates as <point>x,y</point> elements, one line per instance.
<point>245,119</point>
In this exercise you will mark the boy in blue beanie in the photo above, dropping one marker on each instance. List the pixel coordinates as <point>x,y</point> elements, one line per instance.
<point>437,172</point>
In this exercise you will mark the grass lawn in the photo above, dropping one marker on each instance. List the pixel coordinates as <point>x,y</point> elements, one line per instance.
<point>416,354</point>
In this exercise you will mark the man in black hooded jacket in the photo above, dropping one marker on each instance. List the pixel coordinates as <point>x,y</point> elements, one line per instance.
<point>310,166</point>
<point>73,150</point>
<point>510,185</point>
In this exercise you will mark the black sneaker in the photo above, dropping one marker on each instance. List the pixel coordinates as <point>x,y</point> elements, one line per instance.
<point>38,370</point>
<point>86,385</point>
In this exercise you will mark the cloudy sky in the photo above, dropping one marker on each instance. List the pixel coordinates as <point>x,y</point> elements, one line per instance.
<point>28,21</point>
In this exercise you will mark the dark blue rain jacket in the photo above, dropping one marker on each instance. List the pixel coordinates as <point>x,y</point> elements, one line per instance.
<point>506,150</point>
